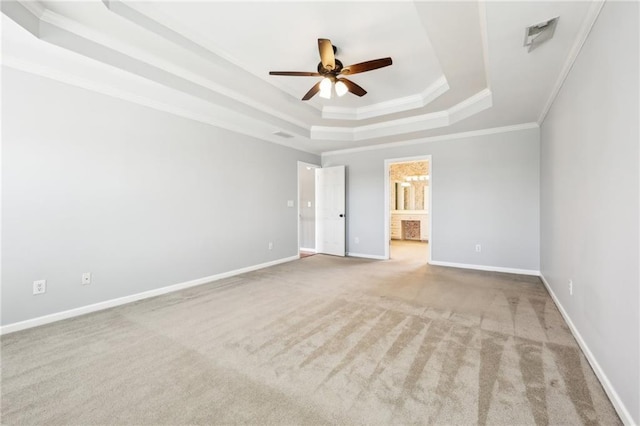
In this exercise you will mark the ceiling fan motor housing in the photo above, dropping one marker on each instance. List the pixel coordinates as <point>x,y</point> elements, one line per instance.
<point>322,70</point>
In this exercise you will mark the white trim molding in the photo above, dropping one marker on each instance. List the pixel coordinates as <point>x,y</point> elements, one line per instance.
<point>163,26</point>
<point>468,107</point>
<point>437,88</point>
<point>58,316</point>
<point>486,268</point>
<point>583,33</point>
<point>223,118</point>
<point>484,33</point>
<point>619,406</point>
<point>366,256</point>
<point>450,136</point>
<point>88,42</point>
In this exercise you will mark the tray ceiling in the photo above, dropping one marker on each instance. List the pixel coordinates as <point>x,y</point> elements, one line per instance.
<point>458,66</point>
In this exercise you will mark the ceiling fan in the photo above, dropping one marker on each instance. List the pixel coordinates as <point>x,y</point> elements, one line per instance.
<point>330,68</point>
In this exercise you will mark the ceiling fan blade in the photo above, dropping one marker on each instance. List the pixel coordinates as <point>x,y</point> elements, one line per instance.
<point>315,89</point>
<point>296,73</point>
<point>366,66</point>
<point>353,88</point>
<point>327,57</point>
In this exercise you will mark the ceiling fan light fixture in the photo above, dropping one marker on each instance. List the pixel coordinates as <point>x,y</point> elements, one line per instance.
<point>325,88</point>
<point>330,68</point>
<point>341,88</point>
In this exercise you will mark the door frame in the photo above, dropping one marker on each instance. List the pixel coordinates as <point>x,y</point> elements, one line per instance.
<point>315,166</point>
<point>387,204</point>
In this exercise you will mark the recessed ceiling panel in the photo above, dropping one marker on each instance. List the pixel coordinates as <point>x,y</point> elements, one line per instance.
<point>282,36</point>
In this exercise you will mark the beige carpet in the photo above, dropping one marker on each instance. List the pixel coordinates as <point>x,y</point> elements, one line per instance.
<point>316,341</point>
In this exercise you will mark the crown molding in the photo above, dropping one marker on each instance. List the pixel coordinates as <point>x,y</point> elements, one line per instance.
<point>34,6</point>
<point>470,106</point>
<point>451,136</point>
<point>190,40</point>
<point>26,13</point>
<point>583,34</point>
<point>74,36</point>
<point>437,88</point>
<point>223,119</point>
<point>482,12</point>
<point>167,28</point>
<point>226,107</point>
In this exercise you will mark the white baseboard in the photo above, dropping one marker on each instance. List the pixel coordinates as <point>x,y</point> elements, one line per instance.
<point>366,256</point>
<point>46,319</point>
<point>621,409</point>
<point>310,250</point>
<point>486,268</point>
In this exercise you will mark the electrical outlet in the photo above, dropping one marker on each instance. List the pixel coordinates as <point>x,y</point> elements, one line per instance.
<point>270,245</point>
<point>39,286</point>
<point>570,288</point>
<point>478,248</point>
<point>86,278</point>
<point>356,240</point>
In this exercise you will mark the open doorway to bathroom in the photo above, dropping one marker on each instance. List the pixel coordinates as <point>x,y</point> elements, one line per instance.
<point>408,183</point>
<point>306,209</point>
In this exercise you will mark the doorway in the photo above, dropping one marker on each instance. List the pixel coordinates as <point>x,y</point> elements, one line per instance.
<point>306,209</point>
<point>408,189</point>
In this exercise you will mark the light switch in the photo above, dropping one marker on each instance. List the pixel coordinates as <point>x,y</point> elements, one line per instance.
<point>290,203</point>
<point>308,203</point>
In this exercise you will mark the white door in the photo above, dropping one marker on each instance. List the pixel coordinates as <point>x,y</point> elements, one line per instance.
<point>330,210</point>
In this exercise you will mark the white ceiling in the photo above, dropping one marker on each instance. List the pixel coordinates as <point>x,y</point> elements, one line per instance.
<point>289,42</point>
<point>457,66</point>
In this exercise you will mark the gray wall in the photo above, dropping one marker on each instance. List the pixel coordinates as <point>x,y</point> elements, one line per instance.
<point>307,193</point>
<point>139,198</point>
<point>485,190</point>
<point>589,190</point>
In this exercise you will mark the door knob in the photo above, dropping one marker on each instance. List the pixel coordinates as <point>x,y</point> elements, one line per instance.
<point>341,215</point>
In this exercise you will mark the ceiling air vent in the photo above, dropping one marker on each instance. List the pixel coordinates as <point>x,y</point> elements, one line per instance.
<point>282,134</point>
<point>537,34</point>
